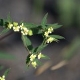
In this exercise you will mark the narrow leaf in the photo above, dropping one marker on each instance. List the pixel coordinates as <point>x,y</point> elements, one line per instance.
<point>44,20</point>
<point>55,26</point>
<point>1,22</point>
<point>57,36</point>
<point>40,48</point>
<point>27,42</point>
<point>8,18</point>
<point>6,72</point>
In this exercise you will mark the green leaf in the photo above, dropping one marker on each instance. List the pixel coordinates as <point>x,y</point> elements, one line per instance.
<point>45,57</point>
<point>3,55</point>
<point>40,48</point>
<point>27,43</point>
<point>8,18</point>
<point>55,26</point>
<point>6,72</point>
<point>1,22</point>
<point>30,25</point>
<point>44,20</point>
<point>4,31</point>
<point>28,59</point>
<point>71,50</point>
<point>57,36</point>
<point>37,30</point>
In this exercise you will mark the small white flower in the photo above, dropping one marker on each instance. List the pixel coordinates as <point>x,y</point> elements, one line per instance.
<point>32,57</point>
<point>16,28</point>
<point>10,25</point>
<point>39,55</point>
<point>49,40</point>
<point>24,31</point>
<point>46,34</point>
<point>50,30</point>
<point>2,78</point>
<point>34,64</point>
<point>21,26</point>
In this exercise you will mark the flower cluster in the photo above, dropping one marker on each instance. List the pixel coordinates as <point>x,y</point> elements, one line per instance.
<point>48,31</point>
<point>22,28</point>
<point>33,58</point>
<point>46,34</point>
<point>2,78</point>
<point>50,39</point>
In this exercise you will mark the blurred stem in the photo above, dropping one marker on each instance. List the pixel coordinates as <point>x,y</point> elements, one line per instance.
<point>6,35</point>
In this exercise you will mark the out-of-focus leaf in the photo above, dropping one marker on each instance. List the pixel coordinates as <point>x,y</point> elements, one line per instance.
<point>3,55</point>
<point>44,21</point>
<point>57,36</point>
<point>6,72</point>
<point>4,31</point>
<point>27,43</point>
<point>1,67</point>
<point>8,18</point>
<point>70,51</point>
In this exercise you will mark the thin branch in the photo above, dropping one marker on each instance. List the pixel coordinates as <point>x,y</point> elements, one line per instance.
<point>6,35</point>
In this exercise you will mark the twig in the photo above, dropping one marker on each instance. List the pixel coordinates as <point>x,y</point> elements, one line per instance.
<point>8,34</point>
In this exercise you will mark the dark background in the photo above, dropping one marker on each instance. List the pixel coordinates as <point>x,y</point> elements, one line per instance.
<point>64,62</point>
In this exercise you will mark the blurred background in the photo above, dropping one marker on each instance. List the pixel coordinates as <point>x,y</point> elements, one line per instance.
<point>64,62</point>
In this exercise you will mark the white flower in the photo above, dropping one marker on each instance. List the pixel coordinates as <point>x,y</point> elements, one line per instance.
<point>39,55</point>
<point>21,26</point>
<point>10,25</point>
<point>32,57</point>
<point>50,39</point>
<point>46,34</point>
<point>34,64</point>
<point>16,28</point>
<point>50,30</point>
<point>24,31</point>
<point>2,78</point>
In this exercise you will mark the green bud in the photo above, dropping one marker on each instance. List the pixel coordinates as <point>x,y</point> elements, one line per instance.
<point>15,23</point>
<point>30,33</point>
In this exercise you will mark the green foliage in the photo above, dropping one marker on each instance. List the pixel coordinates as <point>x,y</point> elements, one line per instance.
<point>27,43</point>
<point>30,29</point>
<point>44,21</point>
<point>5,73</point>
<point>4,55</point>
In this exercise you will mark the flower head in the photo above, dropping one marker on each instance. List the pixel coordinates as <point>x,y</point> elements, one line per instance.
<point>2,78</point>
<point>15,23</point>
<point>50,30</point>
<point>32,57</point>
<point>10,25</point>
<point>21,26</point>
<point>34,64</point>
<point>16,28</point>
<point>39,55</point>
<point>50,39</point>
<point>24,31</point>
<point>46,34</point>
